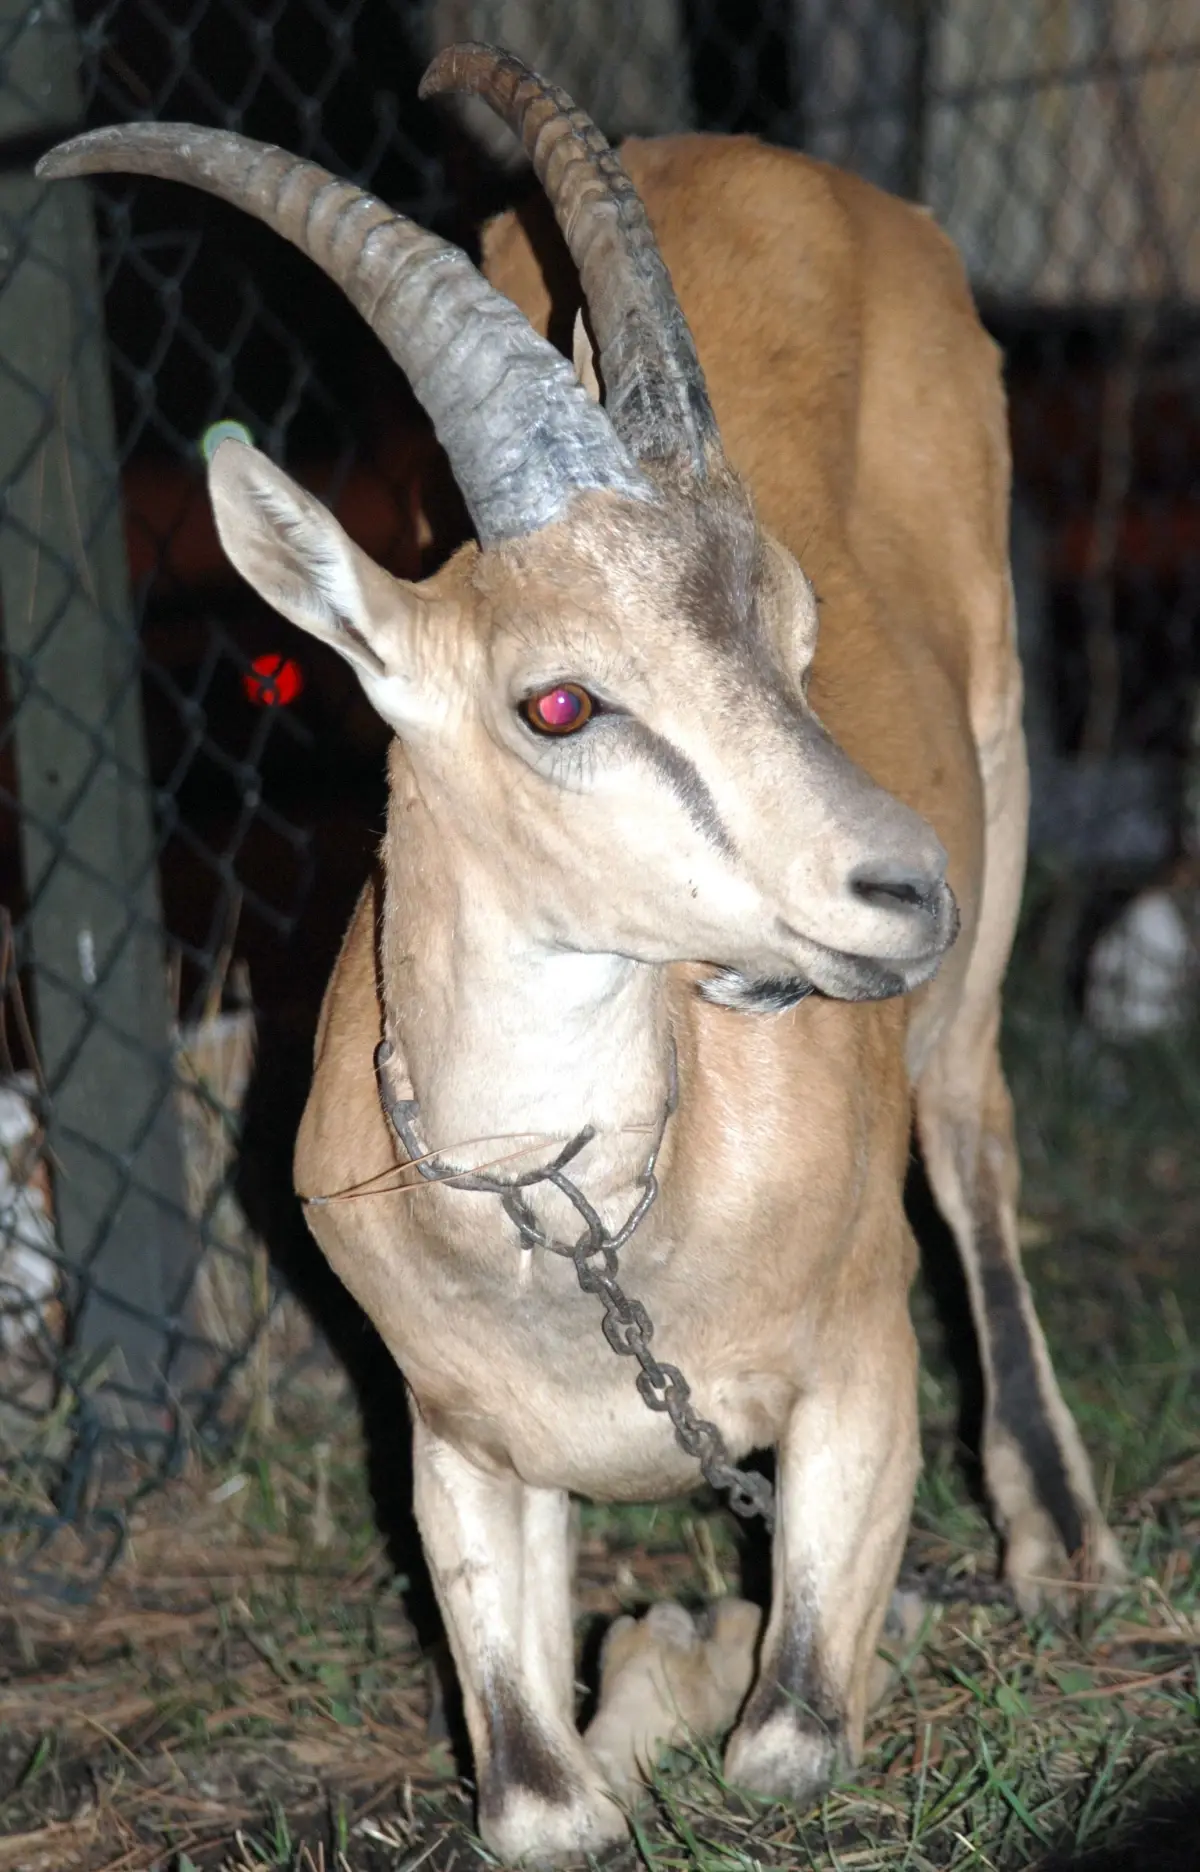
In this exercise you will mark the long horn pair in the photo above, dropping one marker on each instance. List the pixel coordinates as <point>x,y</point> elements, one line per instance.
<point>521,435</point>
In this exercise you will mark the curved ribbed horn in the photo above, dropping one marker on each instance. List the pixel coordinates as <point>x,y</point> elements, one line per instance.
<point>521,433</point>
<point>654,386</point>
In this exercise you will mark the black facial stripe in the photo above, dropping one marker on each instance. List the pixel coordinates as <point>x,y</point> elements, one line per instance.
<point>681,776</point>
<point>1019,1405</point>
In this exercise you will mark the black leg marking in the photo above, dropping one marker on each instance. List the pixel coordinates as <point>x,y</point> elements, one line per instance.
<point>791,1683</point>
<point>521,1757</point>
<point>1019,1406</point>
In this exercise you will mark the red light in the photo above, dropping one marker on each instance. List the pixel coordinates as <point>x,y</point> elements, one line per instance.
<point>273,681</point>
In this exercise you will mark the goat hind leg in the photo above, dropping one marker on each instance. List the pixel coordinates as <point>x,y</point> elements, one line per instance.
<point>1036,1471</point>
<point>499,1554</point>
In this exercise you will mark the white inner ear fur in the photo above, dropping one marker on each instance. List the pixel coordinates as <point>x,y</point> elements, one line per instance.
<point>293,552</point>
<point>584,359</point>
<point>287,545</point>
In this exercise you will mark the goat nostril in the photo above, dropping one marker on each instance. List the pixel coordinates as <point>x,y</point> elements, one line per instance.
<point>886,887</point>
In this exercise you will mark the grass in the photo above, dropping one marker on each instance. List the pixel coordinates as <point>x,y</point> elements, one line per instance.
<point>247,1690</point>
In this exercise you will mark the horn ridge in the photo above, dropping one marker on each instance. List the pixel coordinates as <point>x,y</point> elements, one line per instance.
<point>654,383</point>
<point>522,435</point>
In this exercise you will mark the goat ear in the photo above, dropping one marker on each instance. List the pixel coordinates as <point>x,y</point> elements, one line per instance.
<point>293,552</point>
<point>789,605</point>
<point>584,357</point>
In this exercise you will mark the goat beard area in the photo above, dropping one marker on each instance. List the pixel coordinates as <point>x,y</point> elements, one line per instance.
<point>775,994</point>
<point>768,994</point>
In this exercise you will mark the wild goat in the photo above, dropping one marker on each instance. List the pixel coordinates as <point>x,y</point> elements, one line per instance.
<point>646,922</point>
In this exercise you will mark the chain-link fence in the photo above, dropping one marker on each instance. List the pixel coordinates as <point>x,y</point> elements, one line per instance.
<point>193,797</point>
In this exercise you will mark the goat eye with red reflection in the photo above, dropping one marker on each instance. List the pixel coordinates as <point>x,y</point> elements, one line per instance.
<point>560,710</point>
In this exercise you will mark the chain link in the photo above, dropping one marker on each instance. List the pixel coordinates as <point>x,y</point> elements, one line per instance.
<point>625,1323</point>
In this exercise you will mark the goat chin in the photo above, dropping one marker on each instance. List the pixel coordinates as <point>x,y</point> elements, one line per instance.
<point>847,978</point>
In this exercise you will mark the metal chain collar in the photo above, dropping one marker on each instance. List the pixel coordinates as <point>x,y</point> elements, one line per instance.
<point>626,1324</point>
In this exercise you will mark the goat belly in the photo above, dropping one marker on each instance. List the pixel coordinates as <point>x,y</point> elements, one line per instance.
<point>589,1441</point>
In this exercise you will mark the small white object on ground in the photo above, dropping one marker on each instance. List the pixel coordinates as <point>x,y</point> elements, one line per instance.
<point>28,1273</point>
<point>1141,974</point>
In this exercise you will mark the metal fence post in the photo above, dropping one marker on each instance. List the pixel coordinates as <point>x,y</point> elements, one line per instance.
<point>92,933</point>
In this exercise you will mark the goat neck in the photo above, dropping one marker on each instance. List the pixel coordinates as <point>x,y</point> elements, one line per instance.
<point>509,1037</point>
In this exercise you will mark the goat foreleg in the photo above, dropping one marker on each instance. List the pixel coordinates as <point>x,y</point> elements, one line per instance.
<point>499,1553</point>
<point>845,1476</point>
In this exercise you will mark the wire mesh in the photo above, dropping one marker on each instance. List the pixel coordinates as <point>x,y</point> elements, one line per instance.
<point>192,799</point>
